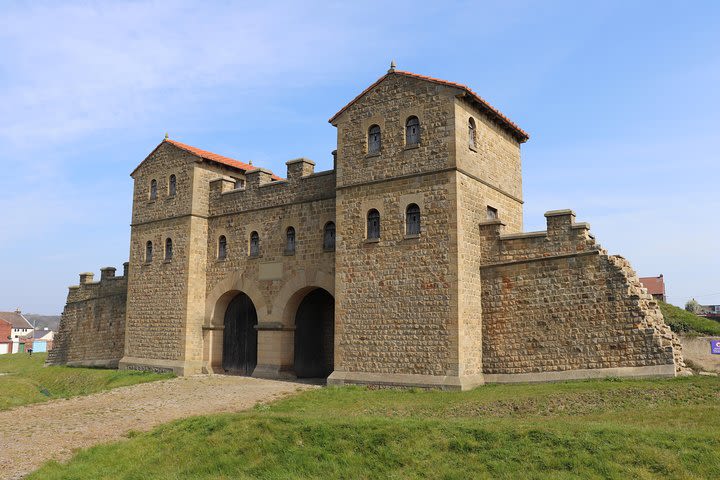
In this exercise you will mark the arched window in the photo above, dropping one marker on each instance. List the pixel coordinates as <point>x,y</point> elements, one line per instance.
<point>172,188</point>
<point>153,189</point>
<point>148,252</point>
<point>222,248</point>
<point>374,140</point>
<point>412,220</point>
<point>168,249</point>
<point>254,244</point>
<point>329,236</point>
<point>373,224</point>
<point>290,241</point>
<point>471,132</point>
<point>412,131</point>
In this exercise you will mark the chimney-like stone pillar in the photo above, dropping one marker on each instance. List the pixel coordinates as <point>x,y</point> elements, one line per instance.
<point>107,272</point>
<point>257,177</point>
<point>300,167</point>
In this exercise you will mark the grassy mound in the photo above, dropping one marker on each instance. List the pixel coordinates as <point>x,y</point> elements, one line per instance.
<point>594,429</point>
<point>27,380</point>
<point>682,321</point>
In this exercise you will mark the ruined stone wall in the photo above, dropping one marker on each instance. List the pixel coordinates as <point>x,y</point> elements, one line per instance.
<point>555,302</point>
<point>92,327</point>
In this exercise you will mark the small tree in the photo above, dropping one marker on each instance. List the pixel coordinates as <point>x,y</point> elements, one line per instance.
<point>692,306</point>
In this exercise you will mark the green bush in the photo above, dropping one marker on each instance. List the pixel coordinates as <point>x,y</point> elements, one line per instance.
<point>682,321</point>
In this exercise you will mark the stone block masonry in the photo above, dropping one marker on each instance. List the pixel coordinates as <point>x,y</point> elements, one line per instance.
<point>404,265</point>
<point>92,328</point>
<point>556,306</point>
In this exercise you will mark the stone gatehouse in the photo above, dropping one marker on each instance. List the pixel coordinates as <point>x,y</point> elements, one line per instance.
<point>405,264</point>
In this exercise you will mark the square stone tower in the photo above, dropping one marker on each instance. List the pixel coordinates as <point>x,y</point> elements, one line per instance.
<point>169,256</point>
<point>420,164</point>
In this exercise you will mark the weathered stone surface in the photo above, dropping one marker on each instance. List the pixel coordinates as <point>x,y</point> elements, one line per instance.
<point>467,297</point>
<point>92,327</point>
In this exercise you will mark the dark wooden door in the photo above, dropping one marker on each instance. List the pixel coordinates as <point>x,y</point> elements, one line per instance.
<point>314,335</point>
<point>240,337</point>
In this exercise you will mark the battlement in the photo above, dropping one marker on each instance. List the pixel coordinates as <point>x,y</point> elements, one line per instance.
<point>262,190</point>
<point>108,284</point>
<point>562,237</point>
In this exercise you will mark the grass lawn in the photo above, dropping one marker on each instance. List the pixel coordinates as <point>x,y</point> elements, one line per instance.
<point>682,321</point>
<point>594,429</point>
<point>29,381</point>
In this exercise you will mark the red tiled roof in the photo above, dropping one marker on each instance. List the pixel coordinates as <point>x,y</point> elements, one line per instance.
<point>213,157</point>
<point>209,156</point>
<point>654,285</point>
<point>519,133</point>
<point>16,319</point>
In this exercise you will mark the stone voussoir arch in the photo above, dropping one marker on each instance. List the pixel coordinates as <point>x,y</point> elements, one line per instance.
<point>292,293</point>
<point>222,294</point>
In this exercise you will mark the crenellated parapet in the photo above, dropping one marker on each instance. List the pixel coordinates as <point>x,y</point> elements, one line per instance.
<point>92,326</point>
<point>556,306</point>
<point>262,189</point>
<point>109,284</point>
<point>562,237</point>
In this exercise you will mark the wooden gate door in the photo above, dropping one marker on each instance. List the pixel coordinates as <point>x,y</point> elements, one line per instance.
<point>240,337</point>
<point>314,335</point>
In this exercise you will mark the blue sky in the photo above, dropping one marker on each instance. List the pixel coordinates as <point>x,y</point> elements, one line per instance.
<point>621,100</point>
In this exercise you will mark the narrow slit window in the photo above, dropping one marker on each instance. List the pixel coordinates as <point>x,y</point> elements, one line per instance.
<point>374,139</point>
<point>168,249</point>
<point>412,219</point>
<point>329,236</point>
<point>412,131</point>
<point>471,132</point>
<point>153,189</point>
<point>373,225</point>
<point>172,189</point>
<point>254,244</point>
<point>222,248</point>
<point>148,252</point>
<point>290,241</point>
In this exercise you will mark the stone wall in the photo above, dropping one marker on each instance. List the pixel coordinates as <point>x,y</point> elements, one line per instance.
<point>92,327</point>
<point>556,306</point>
<point>276,280</point>
<point>697,350</point>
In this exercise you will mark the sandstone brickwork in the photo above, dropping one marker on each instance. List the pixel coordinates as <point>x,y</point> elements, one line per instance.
<point>555,301</point>
<point>468,299</point>
<point>92,326</point>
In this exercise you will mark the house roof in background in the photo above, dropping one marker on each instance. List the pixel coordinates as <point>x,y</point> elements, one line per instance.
<point>38,334</point>
<point>16,319</point>
<point>654,285</point>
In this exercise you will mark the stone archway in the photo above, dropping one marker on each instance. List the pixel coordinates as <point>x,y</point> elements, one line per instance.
<point>216,305</point>
<point>240,339</point>
<point>314,335</point>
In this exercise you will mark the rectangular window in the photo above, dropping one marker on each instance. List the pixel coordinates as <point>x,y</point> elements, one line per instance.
<point>492,213</point>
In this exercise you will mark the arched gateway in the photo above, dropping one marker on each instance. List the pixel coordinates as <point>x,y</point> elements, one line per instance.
<point>239,355</point>
<point>314,335</point>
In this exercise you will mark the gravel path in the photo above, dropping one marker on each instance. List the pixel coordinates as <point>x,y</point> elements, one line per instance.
<point>53,430</point>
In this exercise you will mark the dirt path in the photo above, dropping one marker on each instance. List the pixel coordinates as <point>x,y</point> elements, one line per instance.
<point>52,430</point>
